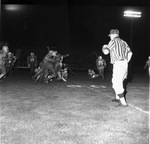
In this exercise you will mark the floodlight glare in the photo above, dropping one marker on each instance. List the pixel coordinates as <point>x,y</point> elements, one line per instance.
<point>13,7</point>
<point>132,14</point>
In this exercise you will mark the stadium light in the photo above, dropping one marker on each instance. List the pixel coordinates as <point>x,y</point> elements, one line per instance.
<point>14,7</point>
<point>132,14</point>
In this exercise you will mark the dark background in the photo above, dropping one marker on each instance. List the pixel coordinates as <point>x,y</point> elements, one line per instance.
<point>77,27</point>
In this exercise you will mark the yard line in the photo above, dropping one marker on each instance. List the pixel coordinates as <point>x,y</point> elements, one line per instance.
<point>137,108</point>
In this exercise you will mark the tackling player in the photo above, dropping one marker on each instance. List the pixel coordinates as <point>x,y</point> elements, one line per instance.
<point>3,58</point>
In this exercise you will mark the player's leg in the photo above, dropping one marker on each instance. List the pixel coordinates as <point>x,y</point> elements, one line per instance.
<point>3,71</point>
<point>119,72</point>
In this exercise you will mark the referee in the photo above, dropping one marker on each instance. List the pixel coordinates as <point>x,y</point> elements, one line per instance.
<point>120,55</point>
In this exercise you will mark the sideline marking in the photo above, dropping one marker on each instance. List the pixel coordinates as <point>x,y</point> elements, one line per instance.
<point>103,86</point>
<point>137,108</point>
<point>74,86</point>
<point>94,86</point>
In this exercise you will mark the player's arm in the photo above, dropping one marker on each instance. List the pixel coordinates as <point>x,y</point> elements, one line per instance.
<point>28,61</point>
<point>129,55</point>
<point>145,65</point>
<point>15,58</point>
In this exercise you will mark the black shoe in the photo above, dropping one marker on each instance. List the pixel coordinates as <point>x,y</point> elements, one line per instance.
<point>64,79</point>
<point>121,105</point>
<point>115,100</point>
<point>3,77</point>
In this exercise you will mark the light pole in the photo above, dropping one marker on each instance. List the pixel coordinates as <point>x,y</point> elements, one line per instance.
<point>132,14</point>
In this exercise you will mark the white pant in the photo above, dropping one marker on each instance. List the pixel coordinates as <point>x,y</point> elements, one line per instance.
<point>119,74</point>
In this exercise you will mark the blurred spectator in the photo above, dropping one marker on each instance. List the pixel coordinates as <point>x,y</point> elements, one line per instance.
<point>148,65</point>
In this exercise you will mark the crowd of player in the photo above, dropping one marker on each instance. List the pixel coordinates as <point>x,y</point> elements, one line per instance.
<point>49,68</point>
<point>7,62</point>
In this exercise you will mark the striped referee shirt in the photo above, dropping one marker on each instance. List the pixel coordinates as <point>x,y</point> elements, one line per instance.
<point>119,50</point>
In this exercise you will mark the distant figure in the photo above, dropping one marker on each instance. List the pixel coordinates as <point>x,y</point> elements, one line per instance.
<point>148,65</point>
<point>120,55</point>
<point>32,62</point>
<point>3,59</point>
<point>10,63</point>
<point>101,64</point>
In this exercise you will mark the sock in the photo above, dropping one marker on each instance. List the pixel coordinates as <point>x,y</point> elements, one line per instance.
<point>1,76</point>
<point>122,99</point>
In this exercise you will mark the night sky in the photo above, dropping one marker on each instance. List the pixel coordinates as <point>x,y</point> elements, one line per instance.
<point>78,29</point>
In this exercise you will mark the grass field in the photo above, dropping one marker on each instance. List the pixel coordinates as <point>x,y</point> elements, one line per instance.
<point>79,111</point>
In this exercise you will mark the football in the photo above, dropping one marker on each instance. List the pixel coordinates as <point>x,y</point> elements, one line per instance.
<point>105,49</point>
